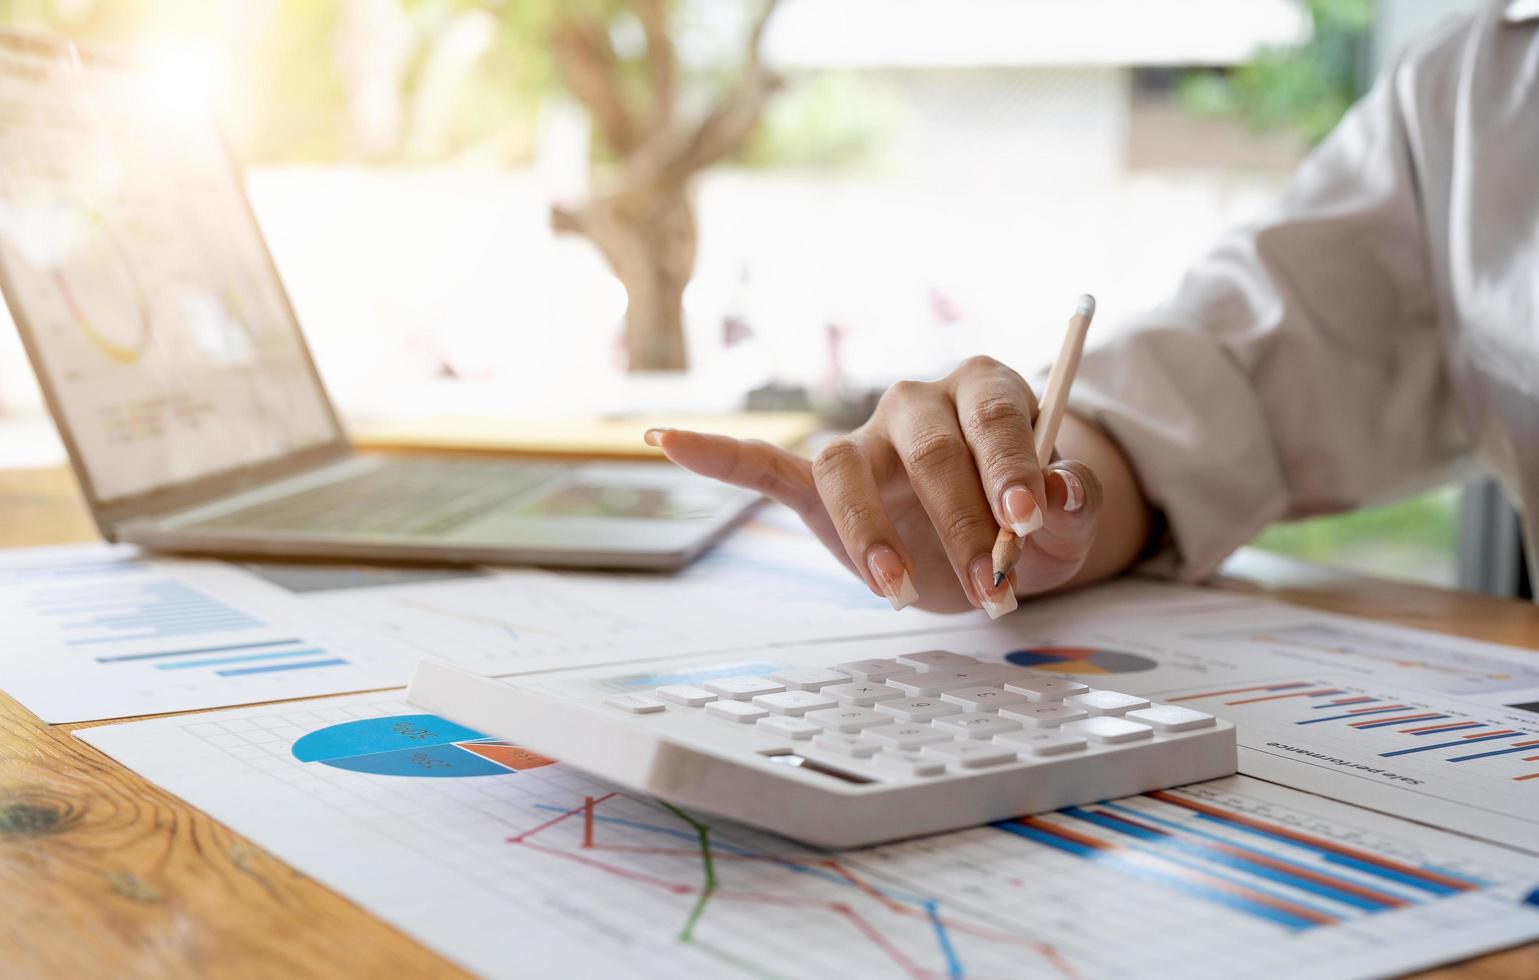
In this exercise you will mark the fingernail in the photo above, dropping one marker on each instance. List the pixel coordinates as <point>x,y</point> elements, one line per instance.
<point>1073,490</point>
<point>996,600</point>
<point>891,577</point>
<point>1022,511</point>
<point>654,437</point>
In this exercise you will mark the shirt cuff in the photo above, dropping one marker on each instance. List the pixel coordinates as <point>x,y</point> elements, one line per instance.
<point>1187,420</point>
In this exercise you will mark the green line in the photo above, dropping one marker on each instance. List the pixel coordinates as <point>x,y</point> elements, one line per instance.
<point>704,834</point>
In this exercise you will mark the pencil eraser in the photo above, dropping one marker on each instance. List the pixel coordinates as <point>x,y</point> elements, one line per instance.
<point>1086,305</point>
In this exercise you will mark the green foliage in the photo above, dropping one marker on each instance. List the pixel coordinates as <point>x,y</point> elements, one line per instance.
<point>1415,538</point>
<point>1307,89</point>
<point>828,121</point>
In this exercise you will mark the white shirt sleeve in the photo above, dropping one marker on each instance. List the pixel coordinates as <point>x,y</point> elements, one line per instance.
<point>1300,367</point>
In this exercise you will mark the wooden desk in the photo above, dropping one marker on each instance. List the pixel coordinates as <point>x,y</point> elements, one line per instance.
<point>103,874</point>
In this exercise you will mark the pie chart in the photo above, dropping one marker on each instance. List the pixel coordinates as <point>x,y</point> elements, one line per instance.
<point>414,746</point>
<point>1080,660</point>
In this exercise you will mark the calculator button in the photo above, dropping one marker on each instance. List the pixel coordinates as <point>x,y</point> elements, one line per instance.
<point>809,678</point>
<point>934,660</point>
<point>847,718</point>
<point>1045,688</point>
<point>686,694</point>
<point>933,682</point>
<point>905,736</point>
<point>910,763</point>
<point>794,702</point>
<point>982,698</point>
<point>787,727</point>
<point>871,670</point>
<point>846,745</point>
<point>636,704</point>
<point>917,709</point>
<point>976,724</point>
<point>1171,718</point>
<point>1107,702</point>
<point>738,711</point>
<point>862,693</point>
<point>1108,730</point>
<point>1043,714</point>
<point>1040,742</point>
<point>743,688</point>
<point>970,754</point>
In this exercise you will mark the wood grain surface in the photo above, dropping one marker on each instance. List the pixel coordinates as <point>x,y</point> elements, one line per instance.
<point>104,875</point>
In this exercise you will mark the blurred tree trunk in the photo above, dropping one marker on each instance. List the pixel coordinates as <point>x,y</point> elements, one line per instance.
<point>642,216</point>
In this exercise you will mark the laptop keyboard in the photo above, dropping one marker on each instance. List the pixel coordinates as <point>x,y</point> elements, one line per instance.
<point>411,497</point>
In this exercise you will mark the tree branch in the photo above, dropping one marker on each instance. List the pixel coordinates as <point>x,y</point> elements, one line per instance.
<point>735,115</point>
<point>592,71</point>
<point>661,61</point>
<point>669,156</point>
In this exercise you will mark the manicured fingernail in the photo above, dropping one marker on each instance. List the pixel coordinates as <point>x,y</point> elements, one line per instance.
<point>891,577</point>
<point>996,600</point>
<point>1073,490</point>
<point>1022,511</point>
<point>654,437</point>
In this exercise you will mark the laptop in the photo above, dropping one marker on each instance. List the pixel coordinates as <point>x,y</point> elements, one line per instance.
<point>182,386</point>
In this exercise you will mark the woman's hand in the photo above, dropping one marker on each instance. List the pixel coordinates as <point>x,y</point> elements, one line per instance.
<point>913,500</point>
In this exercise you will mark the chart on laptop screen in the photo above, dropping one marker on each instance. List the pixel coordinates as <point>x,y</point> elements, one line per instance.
<point>514,866</point>
<point>141,281</point>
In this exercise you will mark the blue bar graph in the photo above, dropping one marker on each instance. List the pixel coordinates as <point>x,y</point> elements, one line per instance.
<point>158,654</point>
<point>1445,729</point>
<point>243,671</point>
<point>1356,714</point>
<point>1528,746</point>
<point>247,658</point>
<point>1446,745</point>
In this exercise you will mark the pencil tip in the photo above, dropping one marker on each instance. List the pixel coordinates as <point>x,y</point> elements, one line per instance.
<point>998,578</point>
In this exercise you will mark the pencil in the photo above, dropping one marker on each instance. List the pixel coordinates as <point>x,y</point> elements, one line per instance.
<point>1055,401</point>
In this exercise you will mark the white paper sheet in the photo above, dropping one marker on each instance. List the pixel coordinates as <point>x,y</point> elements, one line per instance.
<point>542,871</point>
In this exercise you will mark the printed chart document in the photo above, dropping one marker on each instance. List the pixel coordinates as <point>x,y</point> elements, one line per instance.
<point>97,632</point>
<point>1400,720</point>
<point>512,865</point>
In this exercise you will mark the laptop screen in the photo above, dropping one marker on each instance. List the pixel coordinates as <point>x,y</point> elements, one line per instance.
<point>140,281</point>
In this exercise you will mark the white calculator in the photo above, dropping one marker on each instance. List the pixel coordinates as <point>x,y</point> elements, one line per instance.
<point>849,753</point>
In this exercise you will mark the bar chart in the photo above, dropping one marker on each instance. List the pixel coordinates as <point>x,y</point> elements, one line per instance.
<point>1261,868</point>
<point>1438,746</point>
<point>103,632</point>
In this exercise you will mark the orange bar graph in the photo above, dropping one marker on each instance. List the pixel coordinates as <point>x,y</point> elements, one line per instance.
<point>514,757</point>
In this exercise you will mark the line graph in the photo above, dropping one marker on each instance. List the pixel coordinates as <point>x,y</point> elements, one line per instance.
<point>118,327</point>
<point>697,847</point>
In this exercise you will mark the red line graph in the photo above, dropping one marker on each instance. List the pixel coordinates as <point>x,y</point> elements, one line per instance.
<point>832,865</point>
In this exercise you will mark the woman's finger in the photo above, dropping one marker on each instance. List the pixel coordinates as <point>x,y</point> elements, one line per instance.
<point>928,442</point>
<point>1055,553</point>
<point>784,477</point>
<point>995,408</point>
<point>850,495</point>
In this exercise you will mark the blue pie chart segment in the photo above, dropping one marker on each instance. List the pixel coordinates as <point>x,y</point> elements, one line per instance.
<point>1081,660</point>
<point>402,745</point>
